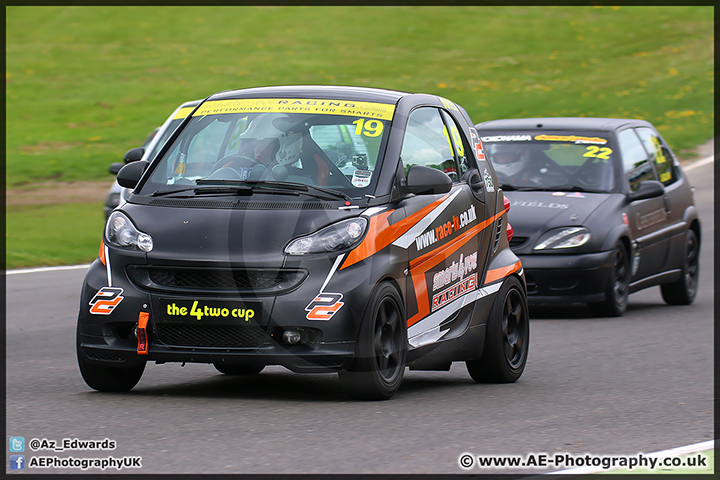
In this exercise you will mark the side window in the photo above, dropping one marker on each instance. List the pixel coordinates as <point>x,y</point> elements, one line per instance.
<point>458,142</point>
<point>635,159</point>
<point>427,144</point>
<point>659,153</point>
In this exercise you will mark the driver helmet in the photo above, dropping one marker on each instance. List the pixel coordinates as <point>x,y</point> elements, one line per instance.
<point>265,127</point>
<point>290,148</point>
<point>510,159</point>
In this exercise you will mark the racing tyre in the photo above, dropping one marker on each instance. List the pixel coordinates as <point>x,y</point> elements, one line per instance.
<point>683,291</point>
<point>109,379</point>
<point>235,369</point>
<point>616,293</point>
<point>507,337</point>
<point>379,364</point>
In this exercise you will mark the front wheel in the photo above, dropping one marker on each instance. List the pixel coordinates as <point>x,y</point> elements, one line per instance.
<point>683,291</point>
<point>507,337</point>
<point>618,288</point>
<point>379,365</point>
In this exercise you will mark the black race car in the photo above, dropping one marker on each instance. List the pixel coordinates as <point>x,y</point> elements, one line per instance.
<point>600,209</point>
<point>325,229</point>
<point>117,195</point>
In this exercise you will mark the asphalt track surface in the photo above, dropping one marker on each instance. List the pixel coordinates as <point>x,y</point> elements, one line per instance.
<point>640,383</point>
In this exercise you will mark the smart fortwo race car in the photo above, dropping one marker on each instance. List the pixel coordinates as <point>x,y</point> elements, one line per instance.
<point>324,229</point>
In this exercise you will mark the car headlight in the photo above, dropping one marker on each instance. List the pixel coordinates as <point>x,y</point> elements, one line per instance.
<point>567,237</point>
<point>121,232</point>
<point>338,236</point>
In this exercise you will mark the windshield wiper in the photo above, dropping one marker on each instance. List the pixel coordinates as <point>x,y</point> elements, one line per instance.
<point>572,188</point>
<point>207,190</point>
<point>300,186</point>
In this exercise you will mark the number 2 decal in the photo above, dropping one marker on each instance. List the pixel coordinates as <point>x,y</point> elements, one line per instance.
<point>598,152</point>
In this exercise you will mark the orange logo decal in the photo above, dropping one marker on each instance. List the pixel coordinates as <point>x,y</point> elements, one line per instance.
<point>324,306</point>
<point>105,300</point>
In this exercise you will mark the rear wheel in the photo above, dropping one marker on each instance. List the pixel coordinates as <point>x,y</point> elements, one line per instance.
<point>683,291</point>
<point>507,337</point>
<point>236,369</point>
<point>379,365</point>
<point>618,288</point>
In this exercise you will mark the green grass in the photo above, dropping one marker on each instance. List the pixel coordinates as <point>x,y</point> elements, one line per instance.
<point>85,84</point>
<point>64,234</point>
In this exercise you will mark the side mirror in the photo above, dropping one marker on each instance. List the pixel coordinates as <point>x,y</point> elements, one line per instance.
<point>130,174</point>
<point>115,167</point>
<point>133,155</point>
<point>647,189</point>
<point>423,180</point>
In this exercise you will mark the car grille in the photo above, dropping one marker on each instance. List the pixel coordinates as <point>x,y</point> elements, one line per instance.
<point>228,280</point>
<point>221,336</point>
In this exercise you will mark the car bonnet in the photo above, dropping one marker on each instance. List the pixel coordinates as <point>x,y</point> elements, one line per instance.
<point>534,211</point>
<point>253,233</point>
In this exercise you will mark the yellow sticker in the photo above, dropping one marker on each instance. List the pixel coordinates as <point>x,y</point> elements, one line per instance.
<point>570,138</point>
<point>448,104</point>
<point>298,105</point>
<point>665,176</point>
<point>183,112</point>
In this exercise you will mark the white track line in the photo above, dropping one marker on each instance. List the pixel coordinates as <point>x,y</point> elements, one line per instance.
<point>47,269</point>
<point>697,164</point>
<point>673,452</point>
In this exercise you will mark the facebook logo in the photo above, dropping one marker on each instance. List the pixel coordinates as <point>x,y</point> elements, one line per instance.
<point>17,444</point>
<point>17,462</point>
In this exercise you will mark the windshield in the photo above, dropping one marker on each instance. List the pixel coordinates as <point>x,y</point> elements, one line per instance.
<point>551,161</point>
<point>317,143</point>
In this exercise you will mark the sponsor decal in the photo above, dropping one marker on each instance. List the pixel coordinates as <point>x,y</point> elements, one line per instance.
<point>462,287</point>
<point>457,270</point>
<point>569,138</point>
<point>487,178</point>
<point>361,178</point>
<point>475,139</point>
<point>446,229</point>
<point>558,194</point>
<point>536,204</point>
<point>448,104</point>
<point>200,310</point>
<point>324,306</point>
<point>650,219</point>
<point>507,138</point>
<point>575,195</point>
<point>183,112</point>
<point>105,300</point>
<point>297,105</point>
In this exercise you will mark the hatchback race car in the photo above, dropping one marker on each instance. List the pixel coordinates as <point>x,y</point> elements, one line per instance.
<point>324,229</point>
<point>117,194</point>
<point>600,209</point>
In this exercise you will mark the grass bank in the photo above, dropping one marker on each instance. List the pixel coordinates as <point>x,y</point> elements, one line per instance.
<point>85,84</point>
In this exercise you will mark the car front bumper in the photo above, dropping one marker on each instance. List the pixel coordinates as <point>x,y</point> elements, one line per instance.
<point>566,279</point>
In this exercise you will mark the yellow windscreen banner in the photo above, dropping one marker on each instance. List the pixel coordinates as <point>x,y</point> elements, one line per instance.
<point>183,112</point>
<point>380,111</point>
